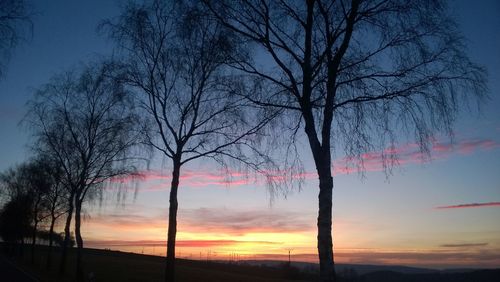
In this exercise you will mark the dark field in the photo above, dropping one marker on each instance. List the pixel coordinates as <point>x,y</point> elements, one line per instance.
<point>119,266</point>
<point>105,265</point>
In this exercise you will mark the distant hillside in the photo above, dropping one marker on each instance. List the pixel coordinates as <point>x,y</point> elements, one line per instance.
<point>492,275</point>
<point>340,267</point>
<point>393,273</point>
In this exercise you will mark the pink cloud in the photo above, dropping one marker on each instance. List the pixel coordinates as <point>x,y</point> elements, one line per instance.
<point>406,154</point>
<point>155,180</point>
<point>471,205</point>
<point>238,222</point>
<point>472,145</point>
<point>377,161</point>
<point>147,175</point>
<point>410,154</point>
<point>440,147</point>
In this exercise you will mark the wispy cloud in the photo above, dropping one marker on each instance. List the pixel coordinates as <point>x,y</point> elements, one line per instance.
<point>154,180</point>
<point>406,154</point>
<point>178,243</point>
<point>110,226</point>
<point>237,222</point>
<point>465,245</point>
<point>426,258</point>
<point>410,154</point>
<point>470,146</point>
<point>471,205</point>
<point>230,222</point>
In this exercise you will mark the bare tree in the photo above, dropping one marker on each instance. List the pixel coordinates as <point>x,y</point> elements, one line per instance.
<point>15,222</point>
<point>41,179</point>
<point>29,183</point>
<point>85,122</point>
<point>176,62</point>
<point>14,22</point>
<point>11,184</point>
<point>55,202</point>
<point>37,184</point>
<point>16,216</point>
<point>356,75</point>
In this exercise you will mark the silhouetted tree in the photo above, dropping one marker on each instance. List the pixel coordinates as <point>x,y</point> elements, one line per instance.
<point>17,209</point>
<point>57,238</point>
<point>38,183</point>
<point>175,61</point>
<point>29,182</point>
<point>356,75</point>
<point>84,121</point>
<point>55,199</point>
<point>15,220</point>
<point>11,184</point>
<point>14,20</point>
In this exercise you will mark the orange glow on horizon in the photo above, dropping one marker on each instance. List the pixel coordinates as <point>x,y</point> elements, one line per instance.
<point>152,235</point>
<point>268,244</point>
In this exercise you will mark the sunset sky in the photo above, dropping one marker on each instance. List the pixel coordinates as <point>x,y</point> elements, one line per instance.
<point>439,213</point>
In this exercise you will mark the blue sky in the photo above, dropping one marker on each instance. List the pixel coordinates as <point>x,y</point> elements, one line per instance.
<point>376,219</point>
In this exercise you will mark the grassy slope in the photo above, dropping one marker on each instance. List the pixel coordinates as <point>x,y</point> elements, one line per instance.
<point>118,266</point>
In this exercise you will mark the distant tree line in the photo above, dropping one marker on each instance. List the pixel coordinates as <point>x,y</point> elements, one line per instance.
<point>34,200</point>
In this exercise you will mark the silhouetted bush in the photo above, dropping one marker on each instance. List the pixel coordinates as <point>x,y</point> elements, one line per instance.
<point>15,219</point>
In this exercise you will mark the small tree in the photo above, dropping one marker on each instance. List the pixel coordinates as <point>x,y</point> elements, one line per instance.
<point>355,75</point>
<point>11,184</point>
<point>38,184</point>
<point>28,184</point>
<point>84,121</point>
<point>175,61</point>
<point>55,199</point>
<point>15,220</point>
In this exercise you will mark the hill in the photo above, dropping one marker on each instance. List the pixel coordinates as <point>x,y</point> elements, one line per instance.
<point>358,268</point>
<point>106,265</point>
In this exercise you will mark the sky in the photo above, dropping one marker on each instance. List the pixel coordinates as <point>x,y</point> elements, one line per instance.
<point>441,213</point>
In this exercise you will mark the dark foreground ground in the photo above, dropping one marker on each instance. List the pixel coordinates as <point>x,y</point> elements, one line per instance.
<point>10,272</point>
<point>105,265</point>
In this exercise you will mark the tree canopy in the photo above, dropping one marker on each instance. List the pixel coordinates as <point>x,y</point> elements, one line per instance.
<point>14,24</point>
<point>356,75</point>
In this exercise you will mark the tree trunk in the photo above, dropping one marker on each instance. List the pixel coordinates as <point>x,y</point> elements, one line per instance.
<point>322,159</point>
<point>325,241</point>
<point>79,240</point>
<point>67,236</point>
<point>172,223</point>
<point>33,241</point>
<point>21,249</point>
<point>51,240</point>
<point>35,226</point>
